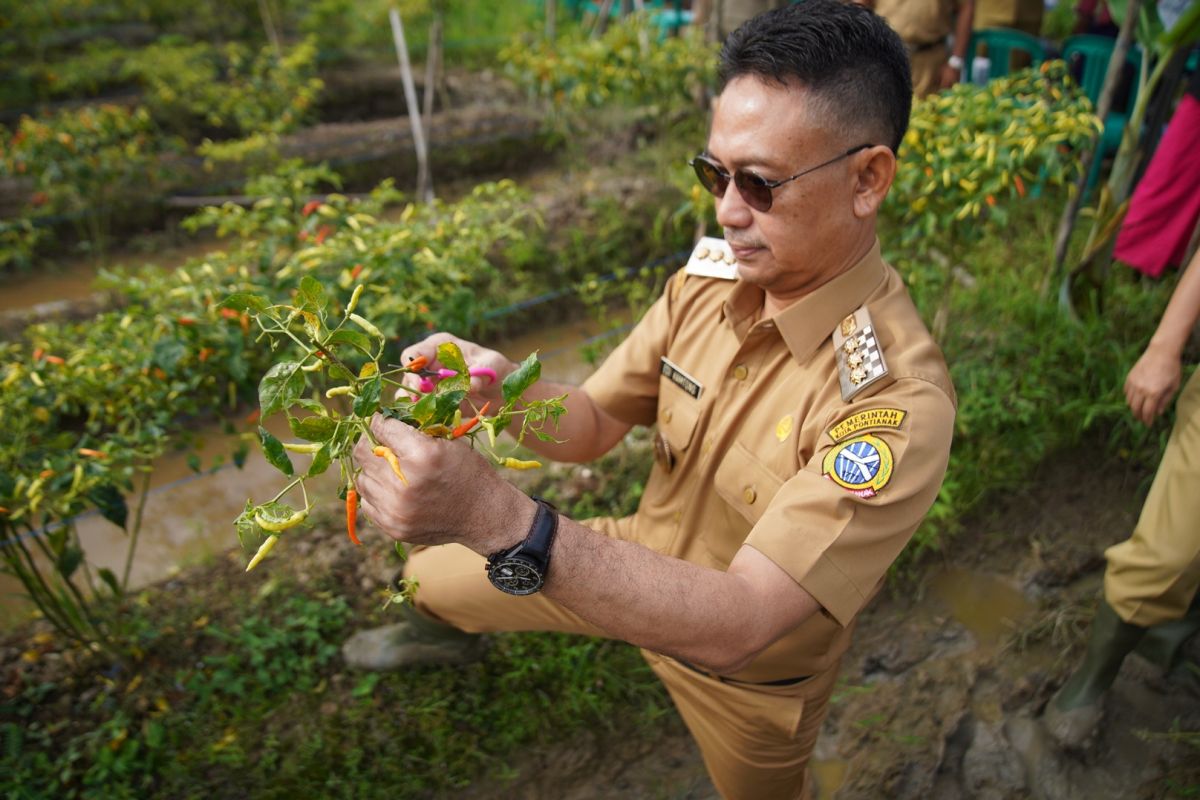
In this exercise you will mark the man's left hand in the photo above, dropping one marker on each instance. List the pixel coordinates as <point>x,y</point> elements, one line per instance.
<point>950,76</point>
<point>452,494</point>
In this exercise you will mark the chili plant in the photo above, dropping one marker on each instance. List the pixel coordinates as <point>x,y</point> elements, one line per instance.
<point>342,353</point>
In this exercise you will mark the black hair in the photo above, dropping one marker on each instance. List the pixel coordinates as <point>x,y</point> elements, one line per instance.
<point>846,55</point>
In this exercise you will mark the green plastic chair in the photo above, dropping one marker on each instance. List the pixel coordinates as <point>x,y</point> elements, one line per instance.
<point>1000,44</point>
<point>1092,54</point>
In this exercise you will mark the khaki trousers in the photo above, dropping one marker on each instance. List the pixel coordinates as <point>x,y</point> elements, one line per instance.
<point>755,739</point>
<point>927,70</point>
<point>1153,575</point>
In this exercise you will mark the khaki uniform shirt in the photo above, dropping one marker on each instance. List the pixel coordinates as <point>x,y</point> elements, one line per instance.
<point>1024,15</point>
<point>919,22</point>
<point>770,455</point>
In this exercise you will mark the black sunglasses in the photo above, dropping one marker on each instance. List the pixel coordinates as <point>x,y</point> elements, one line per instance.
<point>754,189</point>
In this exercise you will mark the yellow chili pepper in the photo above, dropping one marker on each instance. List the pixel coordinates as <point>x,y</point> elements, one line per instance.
<point>353,304</point>
<point>302,447</point>
<point>339,390</point>
<point>366,326</point>
<point>516,463</point>
<point>280,524</point>
<point>263,549</point>
<point>386,452</point>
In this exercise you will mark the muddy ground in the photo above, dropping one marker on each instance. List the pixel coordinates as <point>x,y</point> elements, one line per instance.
<point>941,693</point>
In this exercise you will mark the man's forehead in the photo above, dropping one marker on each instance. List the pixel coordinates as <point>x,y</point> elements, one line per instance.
<point>760,121</point>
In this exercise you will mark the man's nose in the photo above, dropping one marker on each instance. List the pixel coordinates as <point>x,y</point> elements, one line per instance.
<point>732,211</point>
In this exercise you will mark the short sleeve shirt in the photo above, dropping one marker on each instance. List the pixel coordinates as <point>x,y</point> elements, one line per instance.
<point>765,452</point>
<point>918,22</point>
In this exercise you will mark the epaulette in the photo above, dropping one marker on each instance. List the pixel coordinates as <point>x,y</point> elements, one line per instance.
<point>712,258</point>
<point>859,358</point>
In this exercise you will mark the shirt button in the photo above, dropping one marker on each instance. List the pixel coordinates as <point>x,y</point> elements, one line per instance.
<point>740,372</point>
<point>667,415</point>
<point>749,495</point>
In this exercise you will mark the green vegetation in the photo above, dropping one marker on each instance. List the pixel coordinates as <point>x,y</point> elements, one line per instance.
<point>190,690</point>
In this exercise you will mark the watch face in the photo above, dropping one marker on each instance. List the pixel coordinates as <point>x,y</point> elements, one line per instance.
<point>516,575</point>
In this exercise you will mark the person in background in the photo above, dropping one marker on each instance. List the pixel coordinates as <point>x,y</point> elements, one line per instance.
<point>1021,15</point>
<point>804,417</point>
<point>719,18</point>
<point>1165,205</point>
<point>925,26</point>
<point>1150,584</point>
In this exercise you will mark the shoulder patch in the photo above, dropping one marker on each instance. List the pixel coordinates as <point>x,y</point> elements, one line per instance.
<point>712,258</point>
<point>859,358</point>
<point>862,465</point>
<point>871,419</point>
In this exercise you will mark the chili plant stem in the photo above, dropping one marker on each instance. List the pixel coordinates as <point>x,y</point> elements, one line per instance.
<point>137,529</point>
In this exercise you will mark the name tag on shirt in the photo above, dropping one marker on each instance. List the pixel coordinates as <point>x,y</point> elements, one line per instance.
<point>681,378</point>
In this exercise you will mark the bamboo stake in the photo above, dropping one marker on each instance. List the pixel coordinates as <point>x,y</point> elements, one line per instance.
<point>432,69</point>
<point>551,19</point>
<point>424,184</point>
<point>1116,64</point>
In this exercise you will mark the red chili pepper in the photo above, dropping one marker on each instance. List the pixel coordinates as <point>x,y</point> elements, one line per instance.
<point>46,473</point>
<point>158,373</point>
<point>186,321</point>
<point>56,360</point>
<point>352,514</point>
<point>245,320</point>
<point>229,313</point>
<point>38,353</point>
<point>205,352</point>
<point>252,417</point>
<point>466,427</point>
<point>354,273</point>
<point>303,236</point>
<point>323,233</point>
<point>1020,184</point>
<point>310,207</point>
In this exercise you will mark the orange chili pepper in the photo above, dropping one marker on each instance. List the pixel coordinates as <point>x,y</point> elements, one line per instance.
<point>46,473</point>
<point>185,321</point>
<point>354,273</point>
<point>245,320</point>
<point>991,201</point>
<point>310,207</point>
<point>352,514</point>
<point>252,417</point>
<point>229,313</point>
<point>38,353</point>
<point>323,234</point>
<point>1020,184</point>
<point>56,359</point>
<point>386,452</point>
<point>87,451</point>
<point>466,427</point>
<point>3,510</point>
<point>205,352</point>
<point>418,363</point>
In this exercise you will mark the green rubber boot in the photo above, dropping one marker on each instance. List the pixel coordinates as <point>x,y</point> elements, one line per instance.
<point>1073,714</point>
<point>415,640</point>
<point>1163,643</point>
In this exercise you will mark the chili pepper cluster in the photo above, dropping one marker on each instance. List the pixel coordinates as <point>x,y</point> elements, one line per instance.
<point>331,378</point>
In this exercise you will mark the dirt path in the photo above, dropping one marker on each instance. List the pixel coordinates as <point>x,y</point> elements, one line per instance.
<point>941,692</point>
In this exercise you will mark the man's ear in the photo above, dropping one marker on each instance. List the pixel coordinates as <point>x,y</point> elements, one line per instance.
<point>876,169</point>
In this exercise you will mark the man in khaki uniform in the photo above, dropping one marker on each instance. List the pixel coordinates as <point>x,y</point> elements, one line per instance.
<point>804,422</point>
<point>925,25</point>
<point>1021,15</point>
<point>1150,586</point>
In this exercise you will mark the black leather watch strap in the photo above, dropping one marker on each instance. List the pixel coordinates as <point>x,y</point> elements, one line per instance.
<point>542,531</point>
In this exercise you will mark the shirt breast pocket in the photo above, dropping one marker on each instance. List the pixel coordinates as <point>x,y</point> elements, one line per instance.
<point>677,421</point>
<point>747,486</point>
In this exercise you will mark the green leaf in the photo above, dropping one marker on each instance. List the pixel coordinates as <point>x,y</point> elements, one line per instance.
<point>240,453</point>
<point>280,387</point>
<point>521,379</point>
<point>168,353</point>
<point>308,404</point>
<point>452,358</point>
<point>110,580</point>
<point>312,295</point>
<point>110,503</point>
<point>193,462</point>
<point>353,338</point>
<point>313,429</point>
<point>69,561</point>
<point>423,410</point>
<point>244,301</point>
<point>368,399</point>
<point>273,450</point>
<point>447,403</point>
<point>321,461</point>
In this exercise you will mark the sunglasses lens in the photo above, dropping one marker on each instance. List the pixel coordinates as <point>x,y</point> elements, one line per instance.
<point>754,190</point>
<point>710,177</point>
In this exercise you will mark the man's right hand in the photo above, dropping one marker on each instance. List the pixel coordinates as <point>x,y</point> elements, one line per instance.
<point>482,389</point>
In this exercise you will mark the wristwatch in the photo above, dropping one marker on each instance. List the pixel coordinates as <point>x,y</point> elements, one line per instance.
<point>955,62</point>
<point>522,570</point>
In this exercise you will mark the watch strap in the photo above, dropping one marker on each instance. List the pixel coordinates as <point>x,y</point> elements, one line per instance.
<point>542,531</point>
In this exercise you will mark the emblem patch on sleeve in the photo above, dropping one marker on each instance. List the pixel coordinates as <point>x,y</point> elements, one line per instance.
<point>862,465</point>
<point>871,419</point>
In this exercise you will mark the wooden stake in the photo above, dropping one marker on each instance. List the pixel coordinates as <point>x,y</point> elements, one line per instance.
<point>424,184</point>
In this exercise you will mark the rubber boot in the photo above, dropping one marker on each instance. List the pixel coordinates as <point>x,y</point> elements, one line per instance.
<point>415,640</point>
<point>1163,643</point>
<point>1074,712</point>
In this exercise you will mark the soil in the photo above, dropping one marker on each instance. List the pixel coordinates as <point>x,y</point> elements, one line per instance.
<point>931,704</point>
